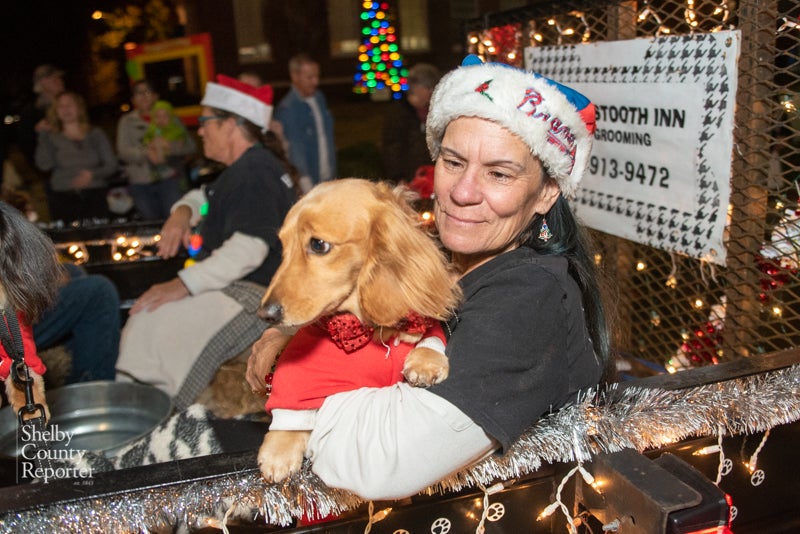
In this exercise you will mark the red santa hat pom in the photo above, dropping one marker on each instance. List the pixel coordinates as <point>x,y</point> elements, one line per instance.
<point>251,103</point>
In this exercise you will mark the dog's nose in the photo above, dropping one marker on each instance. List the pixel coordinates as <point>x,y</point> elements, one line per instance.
<point>271,312</point>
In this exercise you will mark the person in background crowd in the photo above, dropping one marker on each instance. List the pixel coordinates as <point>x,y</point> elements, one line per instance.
<point>307,124</point>
<point>80,159</point>
<point>510,147</point>
<point>168,144</point>
<point>403,138</point>
<point>153,198</point>
<point>180,331</point>
<point>48,83</point>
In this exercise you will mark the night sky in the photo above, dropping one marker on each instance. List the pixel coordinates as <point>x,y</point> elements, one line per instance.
<point>43,31</point>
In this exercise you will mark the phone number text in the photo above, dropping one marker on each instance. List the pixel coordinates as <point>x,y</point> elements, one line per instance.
<point>648,175</point>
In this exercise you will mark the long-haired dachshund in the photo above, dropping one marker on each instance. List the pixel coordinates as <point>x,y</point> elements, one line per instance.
<point>361,283</point>
<point>29,278</point>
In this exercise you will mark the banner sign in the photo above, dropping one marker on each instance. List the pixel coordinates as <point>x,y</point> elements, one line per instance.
<point>660,168</point>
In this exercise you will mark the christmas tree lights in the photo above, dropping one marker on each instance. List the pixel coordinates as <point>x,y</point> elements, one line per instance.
<point>380,63</point>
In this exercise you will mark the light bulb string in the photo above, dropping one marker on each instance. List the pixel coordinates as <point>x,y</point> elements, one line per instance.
<point>754,458</point>
<point>491,490</point>
<point>559,504</point>
<point>721,467</point>
<point>370,520</point>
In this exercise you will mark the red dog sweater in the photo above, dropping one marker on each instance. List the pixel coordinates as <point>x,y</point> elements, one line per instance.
<point>338,355</point>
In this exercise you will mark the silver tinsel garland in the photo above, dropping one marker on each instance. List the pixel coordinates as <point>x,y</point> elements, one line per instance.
<point>600,422</point>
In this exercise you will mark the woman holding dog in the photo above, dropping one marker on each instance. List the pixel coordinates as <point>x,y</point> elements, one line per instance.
<point>180,331</point>
<point>510,148</point>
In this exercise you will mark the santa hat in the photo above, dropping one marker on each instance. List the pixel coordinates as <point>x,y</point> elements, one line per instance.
<point>556,122</point>
<point>251,103</point>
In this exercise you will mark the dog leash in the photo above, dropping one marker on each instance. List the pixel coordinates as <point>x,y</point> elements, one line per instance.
<point>32,427</point>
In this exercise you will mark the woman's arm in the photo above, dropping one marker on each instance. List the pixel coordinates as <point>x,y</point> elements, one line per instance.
<point>194,200</point>
<point>45,153</point>
<point>390,443</point>
<point>238,256</point>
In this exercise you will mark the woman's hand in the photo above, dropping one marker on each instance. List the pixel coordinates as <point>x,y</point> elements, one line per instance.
<point>160,294</point>
<point>156,151</point>
<point>262,358</point>
<point>43,126</point>
<point>176,231</point>
<point>82,179</point>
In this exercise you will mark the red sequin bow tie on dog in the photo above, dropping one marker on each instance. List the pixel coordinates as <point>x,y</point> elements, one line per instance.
<point>350,334</point>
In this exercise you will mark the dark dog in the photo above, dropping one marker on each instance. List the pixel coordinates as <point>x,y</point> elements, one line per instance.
<point>29,278</point>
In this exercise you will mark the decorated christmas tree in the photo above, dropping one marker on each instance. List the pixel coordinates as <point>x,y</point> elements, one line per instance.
<point>380,63</point>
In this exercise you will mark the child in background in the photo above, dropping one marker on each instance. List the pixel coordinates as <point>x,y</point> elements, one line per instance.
<point>168,144</point>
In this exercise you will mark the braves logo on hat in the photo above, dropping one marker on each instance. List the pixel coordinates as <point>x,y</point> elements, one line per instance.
<point>558,133</point>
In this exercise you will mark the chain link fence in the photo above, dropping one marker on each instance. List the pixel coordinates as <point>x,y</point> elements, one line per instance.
<point>670,309</point>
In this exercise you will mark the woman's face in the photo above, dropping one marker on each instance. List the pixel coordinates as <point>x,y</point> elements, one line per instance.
<point>66,108</point>
<point>143,97</point>
<point>488,188</point>
<point>215,131</point>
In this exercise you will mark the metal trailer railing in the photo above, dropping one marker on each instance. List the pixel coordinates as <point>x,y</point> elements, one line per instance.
<point>679,309</point>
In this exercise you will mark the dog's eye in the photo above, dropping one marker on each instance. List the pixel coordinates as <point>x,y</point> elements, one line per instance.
<point>318,246</point>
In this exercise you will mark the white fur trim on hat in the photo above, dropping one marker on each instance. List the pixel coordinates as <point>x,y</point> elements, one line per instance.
<point>528,105</point>
<point>229,99</point>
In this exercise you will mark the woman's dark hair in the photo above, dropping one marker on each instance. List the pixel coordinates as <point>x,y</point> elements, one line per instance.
<point>29,269</point>
<point>270,141</point>
<point>570,240</point>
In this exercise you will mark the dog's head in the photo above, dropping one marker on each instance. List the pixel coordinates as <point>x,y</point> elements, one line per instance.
<point>354,245</point>
<point>29,270</point>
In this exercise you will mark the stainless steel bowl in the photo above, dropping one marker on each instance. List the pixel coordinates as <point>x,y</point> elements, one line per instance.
<point>101,416</point>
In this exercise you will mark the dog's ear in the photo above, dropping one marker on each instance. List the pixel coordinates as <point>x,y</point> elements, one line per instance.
<point>405,269</point>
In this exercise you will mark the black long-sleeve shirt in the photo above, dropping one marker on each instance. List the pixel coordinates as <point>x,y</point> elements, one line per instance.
<point>519,347</point>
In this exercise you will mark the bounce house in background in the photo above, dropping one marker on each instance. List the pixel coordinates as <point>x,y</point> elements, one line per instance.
<point>179,69</point>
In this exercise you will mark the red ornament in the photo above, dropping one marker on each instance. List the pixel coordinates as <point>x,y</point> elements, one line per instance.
<point>423,181</point>
<point>776,276</point>
<point>702,348</point>
<point>506,40</point>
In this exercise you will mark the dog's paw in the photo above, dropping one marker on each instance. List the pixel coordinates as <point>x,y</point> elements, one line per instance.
<point>425,367</point>
<point>281,454</point>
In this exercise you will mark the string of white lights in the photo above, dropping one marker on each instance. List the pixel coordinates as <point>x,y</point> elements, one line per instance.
<point>600,422</point>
